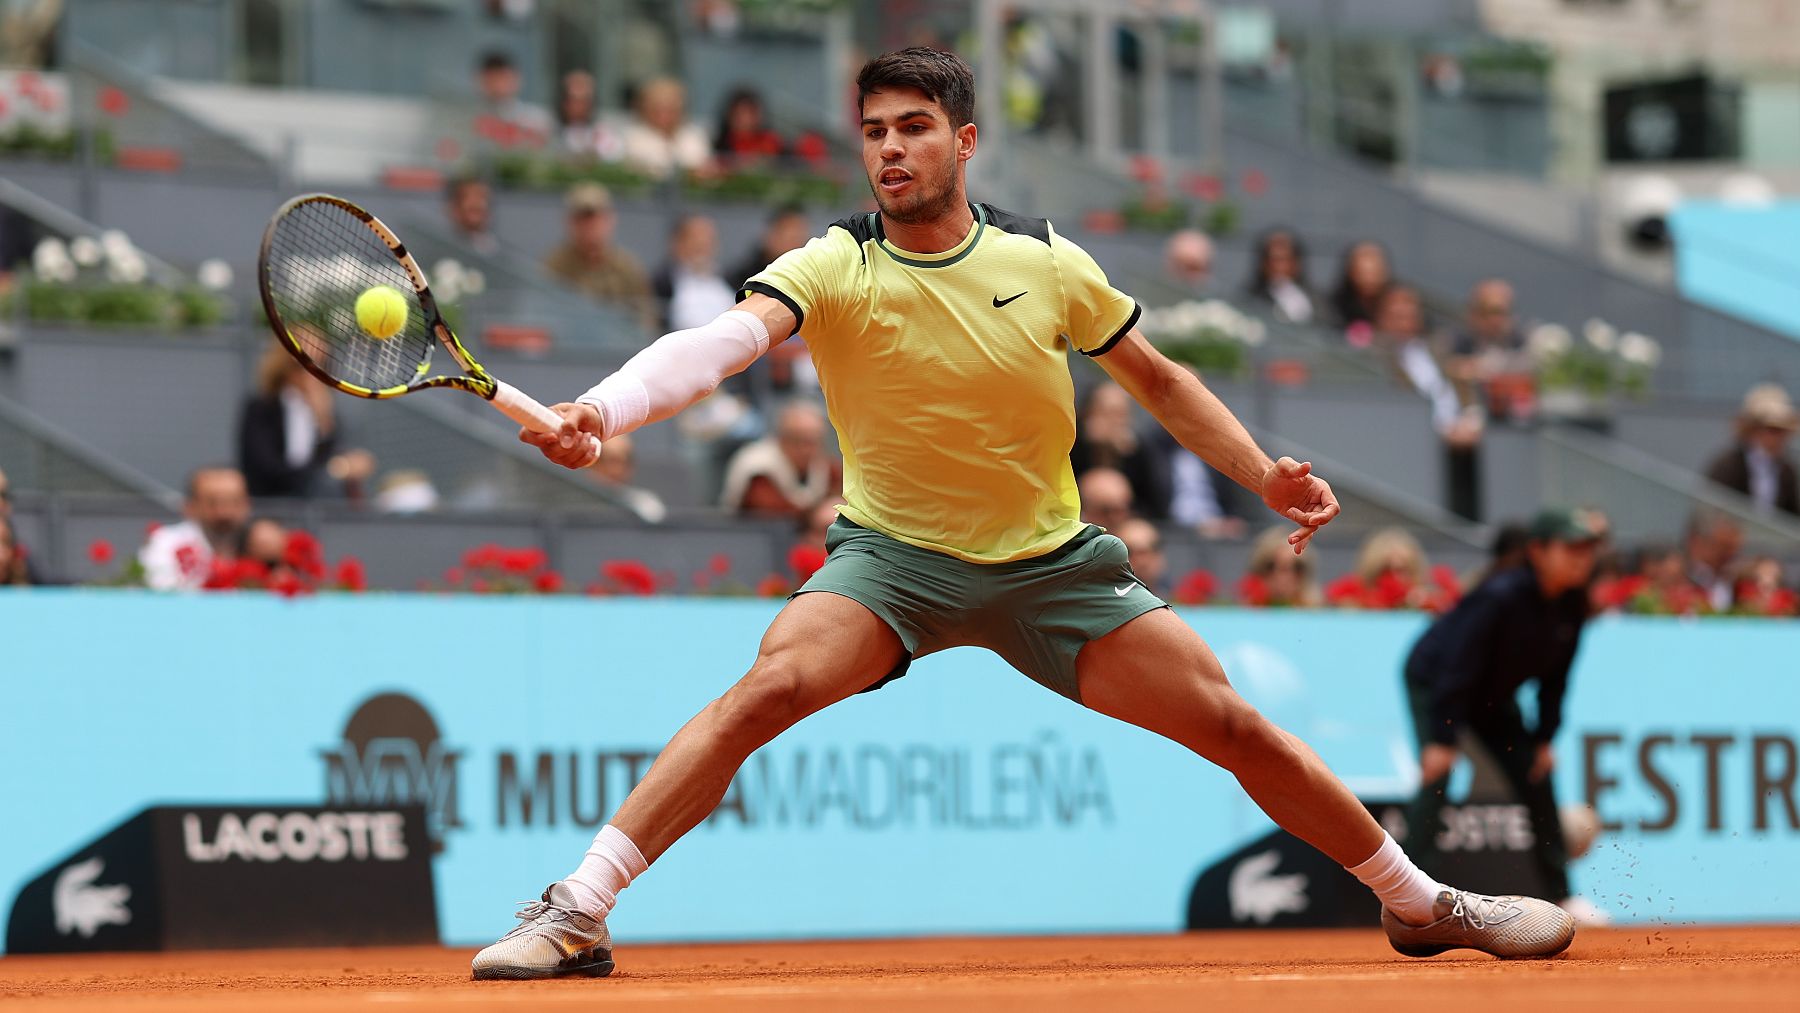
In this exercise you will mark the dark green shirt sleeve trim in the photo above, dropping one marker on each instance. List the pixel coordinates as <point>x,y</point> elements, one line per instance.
<point>1119,335</point>
<point>764,288</point>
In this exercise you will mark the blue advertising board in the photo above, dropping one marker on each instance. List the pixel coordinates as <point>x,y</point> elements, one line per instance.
<point>952,801</point>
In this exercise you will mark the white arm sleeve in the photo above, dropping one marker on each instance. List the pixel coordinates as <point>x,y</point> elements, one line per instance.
<point>677,370</point>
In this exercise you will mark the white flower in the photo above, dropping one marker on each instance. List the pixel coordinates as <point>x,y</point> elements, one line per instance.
<point>85,250</point>
<point>214,274</point>
<point>474,282</point>
<point>1640,350</point>
<point>1254,332</point>
<point>115,243</point>
<point>1602,335</point>
<point>1547,341</point>
<point>127,268</point>
<point>49,256</point>
<point>445,272</point>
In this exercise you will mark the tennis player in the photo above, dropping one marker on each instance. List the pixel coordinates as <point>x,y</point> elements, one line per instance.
<point>941,329</point>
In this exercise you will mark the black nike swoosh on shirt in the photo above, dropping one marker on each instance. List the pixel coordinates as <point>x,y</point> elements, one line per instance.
<point>999,302</point>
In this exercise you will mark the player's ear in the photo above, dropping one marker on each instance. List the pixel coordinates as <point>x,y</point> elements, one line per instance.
<point>965,142</point>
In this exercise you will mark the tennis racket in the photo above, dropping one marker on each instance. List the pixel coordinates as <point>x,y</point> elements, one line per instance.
<point>319,254</point>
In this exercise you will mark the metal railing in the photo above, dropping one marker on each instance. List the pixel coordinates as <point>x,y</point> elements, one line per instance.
<point>38,456</point>
<point>1647,498</point>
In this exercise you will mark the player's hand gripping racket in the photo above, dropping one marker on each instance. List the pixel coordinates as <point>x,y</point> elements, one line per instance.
<point>348,301</point>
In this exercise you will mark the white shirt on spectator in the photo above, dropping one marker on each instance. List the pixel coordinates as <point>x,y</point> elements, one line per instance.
<point>302,428</point>
<point>655,154</point>
<point>177,557</point>
<point>1765,477</point>
<point>1291,301</point>
<point>1192,501</point>
<point>697,298</point>
<point>1422,370</point>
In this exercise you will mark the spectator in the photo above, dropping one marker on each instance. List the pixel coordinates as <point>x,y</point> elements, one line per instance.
<point>1713,540</point>
<point>504,118</point>
<point>1391,570</point>
<point>1758,465</point>
<point>587,260</point>
<point>786,474</point>
<point>1762,588</point>
<point>745,140</point>
<point>265,541</point>
<point>615,472</point>
<point>287,432</point>
<point>1400,333</point>
<point>1364,277</point>
<point>33,572</point>
<point>787,229</point>
<point>180,556</point>
<point>1489,339</point>
<point>660,140</point>
<point>1105,497</point>
<point>818,521</point>
<point>1143,543</point>
<point>1188,260</point>
<point>1200,497</point>
<point>1277,577</point>
<point>469,205</point>
<point>1106,438</point>
<point>1280,278</point>
<point>12,559</point>
<point>407,491</point>
<point>583,132</point>
<point>788,368</point>
<point>689,286</point>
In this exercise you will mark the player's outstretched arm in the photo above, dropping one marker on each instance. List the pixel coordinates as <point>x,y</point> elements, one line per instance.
<point>677,370</point>
<point>1202,424</point>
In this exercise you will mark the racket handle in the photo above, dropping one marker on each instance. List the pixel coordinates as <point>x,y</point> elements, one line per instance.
<point>524,409</point>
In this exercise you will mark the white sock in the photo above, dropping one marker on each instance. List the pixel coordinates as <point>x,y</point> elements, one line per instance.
<point>612,862</point>
<point>1403,888</point>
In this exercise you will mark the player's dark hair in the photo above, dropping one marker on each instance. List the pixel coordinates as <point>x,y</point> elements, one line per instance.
<point>495,59</point>
<point>942,76</point>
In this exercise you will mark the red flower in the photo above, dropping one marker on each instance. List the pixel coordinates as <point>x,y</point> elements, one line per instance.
<point>478,586</point>
<point>1781,602</point>
<point>304,555</point>
<point>548,582</point>
<point>454,575</point>
<point>1197,588</point>
<point>1145,169</point>
<point>720,564</point>
<point>629,576</point>
<point>350,574</point>
<point>188,558</point>
<point>152,528</point>
<point>1391,591</point>
<point>1618,593</point>
<point>805,560</point>
<point>523,561</point>
<point>100,552</point>
<point>1256,182</point>
<point>594,589</point>
<point>286,584</point>
<point>1346,591</point>
<point>483,557</point>
<point>1253,591</point>
<point>773,586</point>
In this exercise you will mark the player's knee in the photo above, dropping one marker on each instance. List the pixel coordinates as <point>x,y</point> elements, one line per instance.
<point>1241,735</point>
<point>766,701</point>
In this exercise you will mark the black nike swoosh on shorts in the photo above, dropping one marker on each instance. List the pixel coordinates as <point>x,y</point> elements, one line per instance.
<point>999,302</point>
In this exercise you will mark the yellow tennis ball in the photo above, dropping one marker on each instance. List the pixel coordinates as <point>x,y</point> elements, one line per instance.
<point>381,311</point>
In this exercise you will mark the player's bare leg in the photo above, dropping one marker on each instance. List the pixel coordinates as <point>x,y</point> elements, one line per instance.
<point>1156,673</point>
<point>822,648</point>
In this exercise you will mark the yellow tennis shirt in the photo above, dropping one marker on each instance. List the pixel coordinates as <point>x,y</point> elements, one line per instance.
<point>946,376</point>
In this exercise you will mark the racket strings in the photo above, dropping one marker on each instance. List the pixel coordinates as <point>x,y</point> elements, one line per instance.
<point>321,258</point>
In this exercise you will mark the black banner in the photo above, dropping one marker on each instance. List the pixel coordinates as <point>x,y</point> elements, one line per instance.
<point>228,877</point>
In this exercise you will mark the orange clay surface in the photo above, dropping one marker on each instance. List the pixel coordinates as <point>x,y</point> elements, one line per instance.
<point>1343,970</point>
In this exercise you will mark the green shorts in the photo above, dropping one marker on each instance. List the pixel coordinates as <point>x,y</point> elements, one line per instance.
<point>1036,613</point>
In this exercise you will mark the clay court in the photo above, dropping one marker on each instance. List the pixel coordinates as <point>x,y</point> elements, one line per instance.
<point>1681,968</point>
